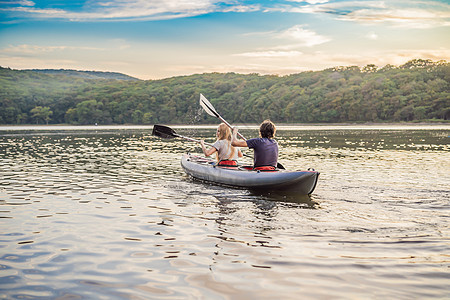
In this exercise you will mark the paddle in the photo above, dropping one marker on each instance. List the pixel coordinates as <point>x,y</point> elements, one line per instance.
<point>210,110</point>
<point>207,106</point>
<point>166,132</point>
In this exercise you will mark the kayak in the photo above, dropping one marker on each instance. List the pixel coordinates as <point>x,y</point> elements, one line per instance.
<point>299,182</point>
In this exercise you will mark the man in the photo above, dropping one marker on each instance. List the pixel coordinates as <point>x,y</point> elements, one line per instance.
<point>265,147</point>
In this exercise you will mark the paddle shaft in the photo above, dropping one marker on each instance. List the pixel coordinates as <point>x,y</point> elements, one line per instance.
<point>231,127</point>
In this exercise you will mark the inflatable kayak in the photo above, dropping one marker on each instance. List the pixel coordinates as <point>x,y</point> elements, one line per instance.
<point>299,182</point>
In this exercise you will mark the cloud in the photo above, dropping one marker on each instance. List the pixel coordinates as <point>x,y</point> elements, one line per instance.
<point>296,36</point>
<point>35,49</point>
<point>19,62</point>
<point>303,36</point>
<point>411,18</point>
<point>20,2</point>
<point>124,10</point>
<point>241,8</point>
<point>402,13</point>
<point>311,1</point>
<point>372,36</point>
<point>397,13</point>
<point>270,54</point>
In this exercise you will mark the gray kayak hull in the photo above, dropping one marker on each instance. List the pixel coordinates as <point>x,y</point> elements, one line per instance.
<point>301,182</point>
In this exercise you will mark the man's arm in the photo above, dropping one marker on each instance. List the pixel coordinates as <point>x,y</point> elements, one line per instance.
<point>234,140</point>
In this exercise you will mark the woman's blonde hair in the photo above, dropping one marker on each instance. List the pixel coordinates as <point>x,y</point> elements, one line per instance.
<point>224,133</point>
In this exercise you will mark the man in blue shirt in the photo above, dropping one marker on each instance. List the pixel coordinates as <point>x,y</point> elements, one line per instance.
<point>265,147</point>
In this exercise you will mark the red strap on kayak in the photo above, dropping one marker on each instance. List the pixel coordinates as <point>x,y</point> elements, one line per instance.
<point>227,163</point>
<point>265,168</point>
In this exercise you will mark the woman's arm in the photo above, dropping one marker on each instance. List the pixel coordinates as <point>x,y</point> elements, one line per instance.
<point>209,151</point>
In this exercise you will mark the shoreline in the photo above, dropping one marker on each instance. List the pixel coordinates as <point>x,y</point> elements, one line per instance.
<point>280,126</point>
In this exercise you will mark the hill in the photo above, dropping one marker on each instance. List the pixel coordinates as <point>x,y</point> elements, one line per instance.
<point>86,74</point>
<point>416,91</point>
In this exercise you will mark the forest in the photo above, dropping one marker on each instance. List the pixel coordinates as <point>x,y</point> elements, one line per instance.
<point>417,91</point>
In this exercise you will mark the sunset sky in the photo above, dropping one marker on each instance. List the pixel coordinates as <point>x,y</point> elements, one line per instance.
<point>154,39</point>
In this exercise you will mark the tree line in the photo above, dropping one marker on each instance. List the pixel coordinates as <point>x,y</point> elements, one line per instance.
<point>416,91</point>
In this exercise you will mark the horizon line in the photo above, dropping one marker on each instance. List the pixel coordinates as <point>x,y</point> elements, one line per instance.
<point>440,61</point>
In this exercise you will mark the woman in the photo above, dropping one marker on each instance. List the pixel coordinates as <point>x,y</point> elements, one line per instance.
<point>265,147</point>
<point>227,155</point>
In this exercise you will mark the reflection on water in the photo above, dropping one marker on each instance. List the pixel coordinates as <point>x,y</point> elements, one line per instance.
<point>109,213</point>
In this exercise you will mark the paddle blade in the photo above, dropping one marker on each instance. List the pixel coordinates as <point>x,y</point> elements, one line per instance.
<point>207,106</point>
<point>163,131</point>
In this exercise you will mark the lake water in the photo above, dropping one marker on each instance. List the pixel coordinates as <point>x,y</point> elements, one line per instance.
<point>108,213</point>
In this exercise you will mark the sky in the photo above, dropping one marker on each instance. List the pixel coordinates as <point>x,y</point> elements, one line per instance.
<point>156,39</point>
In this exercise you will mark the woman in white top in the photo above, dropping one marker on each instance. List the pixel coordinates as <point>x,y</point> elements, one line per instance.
<point>226,154</point>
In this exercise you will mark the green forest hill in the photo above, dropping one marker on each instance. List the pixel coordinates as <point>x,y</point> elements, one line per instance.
<point>86,74</point>
<point>416,91</point>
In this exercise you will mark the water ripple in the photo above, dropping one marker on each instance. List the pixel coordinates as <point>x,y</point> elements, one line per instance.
<point>106,214</point>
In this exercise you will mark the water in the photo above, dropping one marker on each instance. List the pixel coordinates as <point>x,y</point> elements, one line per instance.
<point>107,213</point>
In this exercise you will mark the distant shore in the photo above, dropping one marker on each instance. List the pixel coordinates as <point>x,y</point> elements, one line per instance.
<point>280,126</point>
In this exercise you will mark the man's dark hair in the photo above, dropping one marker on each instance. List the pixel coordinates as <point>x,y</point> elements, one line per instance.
<point>267,129</point>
